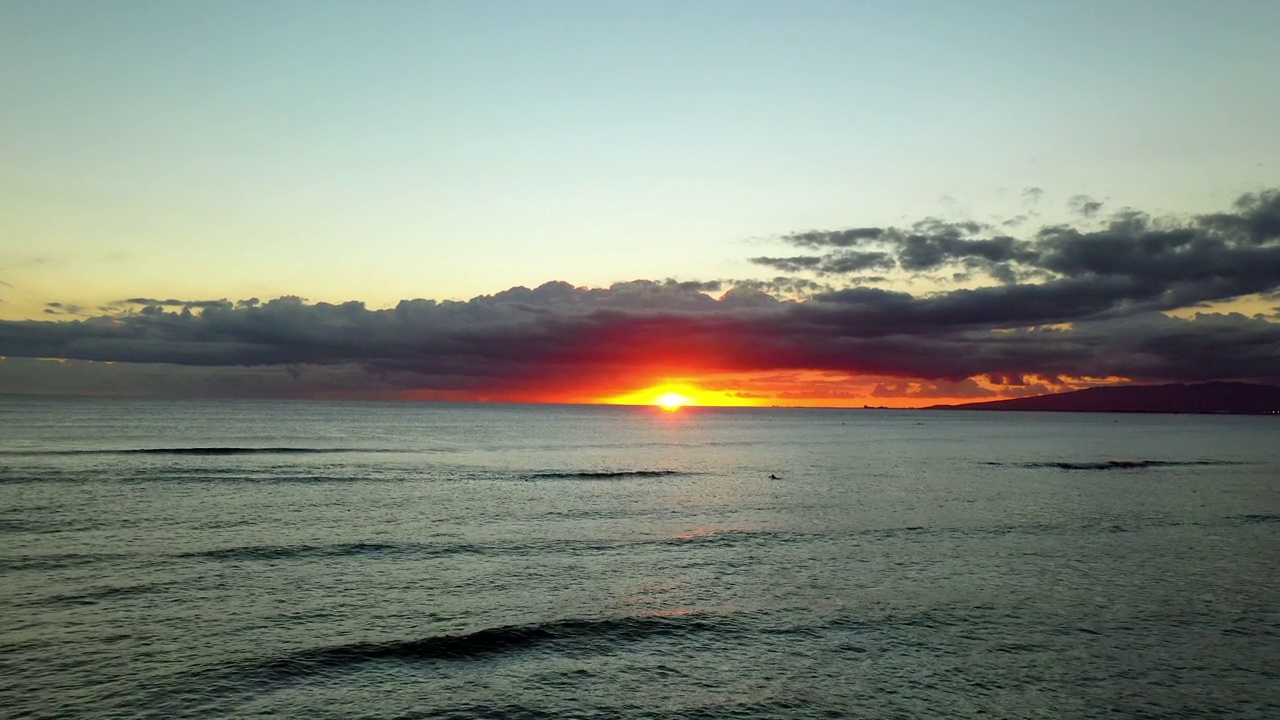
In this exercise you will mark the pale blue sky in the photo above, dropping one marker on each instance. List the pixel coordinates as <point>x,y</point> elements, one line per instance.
<point>378,151</point>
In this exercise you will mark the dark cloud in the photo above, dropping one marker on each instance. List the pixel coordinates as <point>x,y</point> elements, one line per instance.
<point>1084,206</point>
<point>171,302</point>
<point>708,286</point>
<point>524,339</point>
<point>1256,220</point>
<point>783,286</point>
<point>838,238</point>
<point>1093,310</point>
<point>927,245</point>
<point>921,252</point>
<point>1032,194</point>
<point>791,264</point>
<point>1134,262</point>
<point>840,262</point>
<point>57,308</point>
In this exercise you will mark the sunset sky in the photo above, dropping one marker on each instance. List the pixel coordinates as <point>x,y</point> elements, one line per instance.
<point>804,203</point>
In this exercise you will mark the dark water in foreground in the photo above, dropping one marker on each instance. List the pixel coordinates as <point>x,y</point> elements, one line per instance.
<point>240,559</point>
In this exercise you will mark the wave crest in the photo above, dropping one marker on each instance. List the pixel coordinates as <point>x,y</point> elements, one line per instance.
<point>567,634</point>
<point>1255,518</point>
<point>599,474</point>
<point>415,549</point>
<point>1119,464</point>
<point>286,552</point>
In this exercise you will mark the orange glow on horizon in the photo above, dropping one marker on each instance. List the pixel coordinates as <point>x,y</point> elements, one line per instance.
<point>819,389</point>
<point>673,396</point>
<point>791,389</point>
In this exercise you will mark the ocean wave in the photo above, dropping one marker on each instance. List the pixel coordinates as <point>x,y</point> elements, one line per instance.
<point>598,474</point>
<point>1255,518</point>
<point>106,593</point>
<point>288,552</point>
<point>1116,464</point>
<point>17,524</point>
<point>598,707</point>
<point>411,549</point>
<point>592,635</point>
<point>486,711</point>
<point>933,532</point>
<point>735,536</point>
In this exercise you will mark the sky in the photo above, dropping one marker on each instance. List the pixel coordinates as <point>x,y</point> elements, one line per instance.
<point>745,202</point>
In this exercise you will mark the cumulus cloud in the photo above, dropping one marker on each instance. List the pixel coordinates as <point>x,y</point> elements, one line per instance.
<point>1066,302</point>
<point>1133,262</point>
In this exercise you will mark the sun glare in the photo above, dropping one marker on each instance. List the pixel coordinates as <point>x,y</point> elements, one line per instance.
<point>671,401</point>
<point>673,395</point>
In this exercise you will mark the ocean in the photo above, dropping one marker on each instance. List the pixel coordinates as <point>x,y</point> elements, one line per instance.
<point>298,559</point>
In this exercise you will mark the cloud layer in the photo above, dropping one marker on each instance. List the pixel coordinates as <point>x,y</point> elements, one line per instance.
<point>1063,302</point>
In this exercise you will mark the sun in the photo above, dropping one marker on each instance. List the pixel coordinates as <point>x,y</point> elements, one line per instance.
<point>676,394</point>
<point>671,401</point>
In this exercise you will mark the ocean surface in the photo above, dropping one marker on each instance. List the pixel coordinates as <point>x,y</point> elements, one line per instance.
<point>362,560</point>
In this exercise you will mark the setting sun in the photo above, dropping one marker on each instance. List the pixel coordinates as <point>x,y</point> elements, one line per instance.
<point>673,394</point>
<point>671,401</point>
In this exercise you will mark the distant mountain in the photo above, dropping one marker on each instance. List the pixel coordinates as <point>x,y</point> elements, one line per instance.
<point>1235,398</point>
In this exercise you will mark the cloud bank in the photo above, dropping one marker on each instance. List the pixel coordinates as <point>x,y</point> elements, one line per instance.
<point>1062,302</point>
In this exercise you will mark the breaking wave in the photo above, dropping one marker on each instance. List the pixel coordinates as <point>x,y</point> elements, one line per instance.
<point>599,474</point>
<point>422,550</point>
<point>285,552</point>
<point>1255,518</point>
<point>590,635</point>
<point>1117,464</point>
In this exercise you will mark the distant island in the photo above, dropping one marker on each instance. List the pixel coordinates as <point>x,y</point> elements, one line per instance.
<point>1233,398</point>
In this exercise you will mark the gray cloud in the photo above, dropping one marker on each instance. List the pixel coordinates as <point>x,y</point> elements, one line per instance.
<point>791,264</point>
<point>1084,206</point>
<point>841,262</point>
<point>836,238</point>
<point>57,308</point>
<point>1134,260</point>
<point>176,303</point>
<point>524,338</point>
<point>1110,285</point>
<point>785,286</point>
